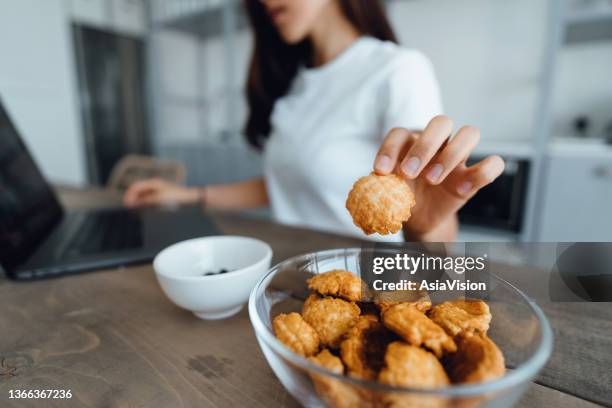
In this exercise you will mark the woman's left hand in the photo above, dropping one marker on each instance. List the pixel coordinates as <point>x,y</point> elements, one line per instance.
<point>434,165</point>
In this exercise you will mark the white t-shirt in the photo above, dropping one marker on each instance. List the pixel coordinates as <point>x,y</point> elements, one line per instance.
<point>327,129</point>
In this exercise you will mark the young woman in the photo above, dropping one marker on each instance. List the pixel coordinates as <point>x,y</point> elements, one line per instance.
<point>333,97</point>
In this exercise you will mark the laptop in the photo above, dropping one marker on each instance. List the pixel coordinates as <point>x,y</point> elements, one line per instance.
<point>39,239</point>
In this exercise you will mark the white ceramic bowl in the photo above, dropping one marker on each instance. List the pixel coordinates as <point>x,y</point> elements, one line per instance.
<point>181,272</point>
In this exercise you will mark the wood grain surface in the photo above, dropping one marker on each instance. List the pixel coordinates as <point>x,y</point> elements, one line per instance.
<point>116,341</point>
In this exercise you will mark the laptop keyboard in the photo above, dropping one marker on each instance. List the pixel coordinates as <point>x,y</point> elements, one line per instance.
<point>106,231</point>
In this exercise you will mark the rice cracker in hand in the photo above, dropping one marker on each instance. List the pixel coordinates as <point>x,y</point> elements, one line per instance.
<point>380,203</point>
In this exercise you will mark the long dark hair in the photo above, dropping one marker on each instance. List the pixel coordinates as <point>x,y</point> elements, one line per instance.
<point>274,63</point>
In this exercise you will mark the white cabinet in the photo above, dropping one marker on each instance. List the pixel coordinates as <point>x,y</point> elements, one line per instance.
<point>577,198</point>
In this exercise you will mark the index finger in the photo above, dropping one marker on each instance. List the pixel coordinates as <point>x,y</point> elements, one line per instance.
<point>391,148</point>
<point>423,150</point>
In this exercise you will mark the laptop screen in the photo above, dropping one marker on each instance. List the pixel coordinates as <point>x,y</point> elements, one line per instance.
<point>28,207</point>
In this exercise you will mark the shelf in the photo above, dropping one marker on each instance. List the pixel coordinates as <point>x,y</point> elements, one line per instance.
<point>583,147</point>
<point>588,16</point>
<point>206,22</point>
<point>588,26</point>
<point>516,149</point>
<point>203,101</point>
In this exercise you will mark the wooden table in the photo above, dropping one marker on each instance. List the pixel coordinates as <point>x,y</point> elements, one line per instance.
<point>115,340</point>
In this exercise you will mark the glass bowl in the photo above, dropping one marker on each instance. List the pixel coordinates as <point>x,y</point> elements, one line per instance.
<point>519,328</point>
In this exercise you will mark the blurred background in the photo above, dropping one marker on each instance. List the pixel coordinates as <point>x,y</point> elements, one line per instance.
<point>88,82</point>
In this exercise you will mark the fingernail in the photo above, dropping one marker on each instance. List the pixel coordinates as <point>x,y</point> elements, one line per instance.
<point>411,166</point>
<point>464,187</point>
<point>383,164</point>
<point>435,172</point>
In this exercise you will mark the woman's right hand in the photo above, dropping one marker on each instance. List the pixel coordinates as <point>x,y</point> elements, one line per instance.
<point>158,192</point>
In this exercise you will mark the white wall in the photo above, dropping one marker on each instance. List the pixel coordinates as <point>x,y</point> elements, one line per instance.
<point>487,55</point>
<point>38,84</point>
